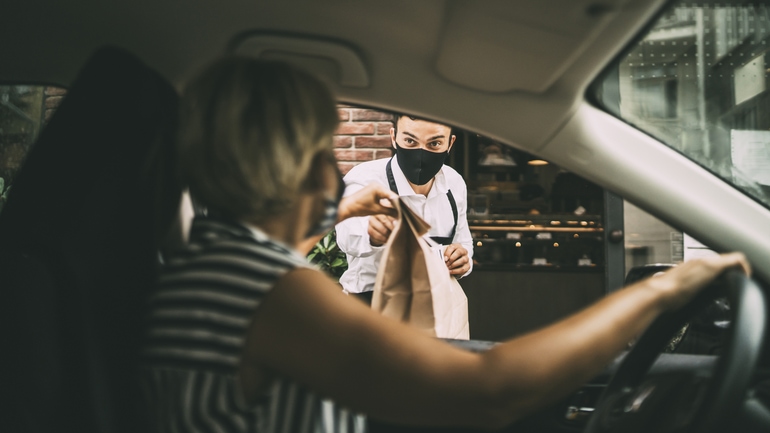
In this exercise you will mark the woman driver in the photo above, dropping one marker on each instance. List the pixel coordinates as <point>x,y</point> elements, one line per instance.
<point>244,334</point>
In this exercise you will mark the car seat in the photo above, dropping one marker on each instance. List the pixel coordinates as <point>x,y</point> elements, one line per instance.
<point>79,240</point>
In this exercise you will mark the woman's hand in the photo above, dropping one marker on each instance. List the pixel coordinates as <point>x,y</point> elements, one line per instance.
<point>678,285</point>
<point>373,199</point>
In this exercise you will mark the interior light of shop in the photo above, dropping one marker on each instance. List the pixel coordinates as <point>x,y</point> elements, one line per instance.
<point>518,244</point>
<point>555,223</point>
<point>576,236</point>
<point>556,244</point>
<point>583,223</point>
<point>478,244</point>
<point>537,162</point>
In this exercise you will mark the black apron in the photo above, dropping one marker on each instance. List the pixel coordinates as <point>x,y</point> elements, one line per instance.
<point>442,240</point>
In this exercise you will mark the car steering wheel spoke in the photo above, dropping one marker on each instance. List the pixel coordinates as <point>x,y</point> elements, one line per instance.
<point>661,403</point>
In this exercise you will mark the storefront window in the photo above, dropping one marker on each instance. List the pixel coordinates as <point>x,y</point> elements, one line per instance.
<point>649,240</point>
<point>698,81</point>
<point>23,112</point>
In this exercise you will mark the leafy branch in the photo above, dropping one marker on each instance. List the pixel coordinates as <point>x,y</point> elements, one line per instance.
<point>3,193</point>
<point>328,255</point>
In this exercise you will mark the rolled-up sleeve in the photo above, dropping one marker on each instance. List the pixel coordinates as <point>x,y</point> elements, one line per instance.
<point>353,237</point>
<point>353,233</point>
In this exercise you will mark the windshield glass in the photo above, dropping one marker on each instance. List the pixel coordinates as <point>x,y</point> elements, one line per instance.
<point>697,81</point>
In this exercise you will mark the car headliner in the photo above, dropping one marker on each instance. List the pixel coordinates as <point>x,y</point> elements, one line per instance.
<point>516,71</point>
<point>425,55</point>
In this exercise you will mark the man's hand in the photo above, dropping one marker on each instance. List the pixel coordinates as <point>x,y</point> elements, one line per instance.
<point>456,259</point>
<point>372,199</point>
<point>380,227</point>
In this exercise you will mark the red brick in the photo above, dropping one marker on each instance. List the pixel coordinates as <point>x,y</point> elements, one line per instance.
<point>383,128</point>
<point>346,166</point>
<point>343,141</point>
<point>355,128</point>
<point>354,155</point>
<point>379,154</point>
<point>53,101</point>
<point>373,142</point>
<point>345,106</point>
<point>369,114</point>
<point>344,115</point>
<point>55,91</point>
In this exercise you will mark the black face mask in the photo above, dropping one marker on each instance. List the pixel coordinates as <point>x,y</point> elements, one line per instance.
<point>331,209</point>
<point>419,165</point>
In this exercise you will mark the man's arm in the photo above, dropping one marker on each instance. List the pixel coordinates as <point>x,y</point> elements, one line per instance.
<point>353,233</point>
<point>372,199</point>
<point>353,237</point>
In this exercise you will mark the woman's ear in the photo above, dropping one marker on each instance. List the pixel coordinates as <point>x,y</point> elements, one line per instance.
<point>314,180</point>
<point>322,175</point>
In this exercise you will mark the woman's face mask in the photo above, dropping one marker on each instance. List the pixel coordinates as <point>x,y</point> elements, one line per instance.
<point>330,210</point>
<point>420,165</point>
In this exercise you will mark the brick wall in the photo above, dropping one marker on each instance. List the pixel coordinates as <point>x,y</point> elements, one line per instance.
<point>363,135</point>
<point>53,97</point>
<point>16,135</point>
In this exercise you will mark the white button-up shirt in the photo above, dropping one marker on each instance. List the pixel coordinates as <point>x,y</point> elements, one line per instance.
<point>352,234</point>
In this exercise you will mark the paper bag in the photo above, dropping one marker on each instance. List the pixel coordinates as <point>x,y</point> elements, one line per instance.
<point>413,283</point>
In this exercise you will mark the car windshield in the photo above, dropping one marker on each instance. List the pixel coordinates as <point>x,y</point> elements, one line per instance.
<point>697,81</point>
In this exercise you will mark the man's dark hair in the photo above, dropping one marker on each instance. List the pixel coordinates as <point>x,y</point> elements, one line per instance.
<point>397,116</point>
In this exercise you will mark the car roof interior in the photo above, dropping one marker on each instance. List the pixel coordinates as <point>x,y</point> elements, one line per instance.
<point>527,61</point>
<point>515,71</point>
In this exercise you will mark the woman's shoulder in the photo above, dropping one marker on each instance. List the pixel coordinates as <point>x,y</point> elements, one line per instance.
<point>226,251</point>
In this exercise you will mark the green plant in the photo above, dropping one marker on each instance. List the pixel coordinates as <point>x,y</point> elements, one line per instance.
<point>328,255</point>
<point>3,193</point>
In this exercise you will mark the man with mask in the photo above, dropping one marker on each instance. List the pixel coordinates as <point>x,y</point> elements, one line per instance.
<point>433,190</point>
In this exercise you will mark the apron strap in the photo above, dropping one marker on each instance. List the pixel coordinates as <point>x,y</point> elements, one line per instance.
<point>391,179</point>
<point>446,240</point>
<point>442,240</point>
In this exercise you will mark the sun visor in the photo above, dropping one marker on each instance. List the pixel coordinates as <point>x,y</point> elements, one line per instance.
<point>333,61</point>
<point>501,46</point>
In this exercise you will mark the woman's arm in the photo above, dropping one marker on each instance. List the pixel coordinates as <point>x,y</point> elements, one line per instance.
<point>308,330</point>
<point>372,199</point>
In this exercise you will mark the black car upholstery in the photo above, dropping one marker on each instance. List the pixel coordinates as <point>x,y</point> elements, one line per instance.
<point>79,250</point>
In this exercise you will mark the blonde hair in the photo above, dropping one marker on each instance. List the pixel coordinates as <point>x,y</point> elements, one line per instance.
<point>249,133</point>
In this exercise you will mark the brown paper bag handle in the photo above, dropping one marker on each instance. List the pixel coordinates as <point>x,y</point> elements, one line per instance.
<point>405,213</point>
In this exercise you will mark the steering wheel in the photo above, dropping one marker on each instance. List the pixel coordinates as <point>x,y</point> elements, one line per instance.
<point>637,401</point>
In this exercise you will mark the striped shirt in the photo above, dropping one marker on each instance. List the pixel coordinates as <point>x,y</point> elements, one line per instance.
<point>199,318</point>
